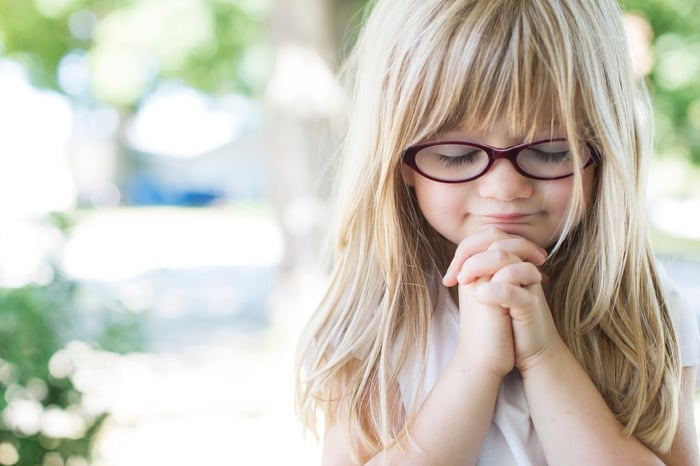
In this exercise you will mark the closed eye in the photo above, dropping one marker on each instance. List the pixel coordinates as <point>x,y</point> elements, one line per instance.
<point>455,160</point>
<point>550,157</point>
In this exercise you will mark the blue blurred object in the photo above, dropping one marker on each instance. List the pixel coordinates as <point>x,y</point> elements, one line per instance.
<point>231,173</point>
<point>145,190</point>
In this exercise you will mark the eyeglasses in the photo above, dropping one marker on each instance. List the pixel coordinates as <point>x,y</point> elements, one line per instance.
<point>462,161</point>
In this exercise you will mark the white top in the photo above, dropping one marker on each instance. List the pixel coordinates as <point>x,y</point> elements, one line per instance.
<point>511,438</point>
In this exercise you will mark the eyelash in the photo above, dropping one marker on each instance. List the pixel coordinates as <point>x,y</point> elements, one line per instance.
<point>552,156</point>
<point>460,160</point>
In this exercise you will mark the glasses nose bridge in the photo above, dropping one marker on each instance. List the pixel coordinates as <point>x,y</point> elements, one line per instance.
<point>509,153</point>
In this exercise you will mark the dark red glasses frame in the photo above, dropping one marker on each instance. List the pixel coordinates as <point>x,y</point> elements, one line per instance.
<point>494,153</point>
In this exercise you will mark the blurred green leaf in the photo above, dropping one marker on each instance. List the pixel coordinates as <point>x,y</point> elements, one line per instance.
<point>212,45</point>
<point>674,81</point>
<point>36,322</point>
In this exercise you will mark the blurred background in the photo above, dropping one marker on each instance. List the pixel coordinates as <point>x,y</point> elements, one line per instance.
<point>163,196</point>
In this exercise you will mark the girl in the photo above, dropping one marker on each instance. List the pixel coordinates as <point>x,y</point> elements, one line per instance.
<point>494,299</point>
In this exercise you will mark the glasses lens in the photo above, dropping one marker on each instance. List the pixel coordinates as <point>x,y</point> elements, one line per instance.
<point>452,162</point>
<point>547,160</point>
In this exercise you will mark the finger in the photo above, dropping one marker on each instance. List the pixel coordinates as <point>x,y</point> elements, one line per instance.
<point>523,248</point>
<point>520,274</point>
<point>503,294</point>
<point>485,264</point>
<point>500,253</point>
<point>492,239</point>
<point>469,246</point>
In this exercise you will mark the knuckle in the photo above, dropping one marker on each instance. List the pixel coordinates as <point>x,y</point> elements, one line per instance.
<point>493,232</point>
<point>494,246</point>
<point>464,249</point>
<point>501,244</point>
<point>461,246</point>
<point>530,268</point>
<point>509,274</point>
<point>501,255</point>
<point>505,291</point>
<point>534,272</point>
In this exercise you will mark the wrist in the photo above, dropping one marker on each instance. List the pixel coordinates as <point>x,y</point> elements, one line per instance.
<point>473,362</point>
<point>549,357</point>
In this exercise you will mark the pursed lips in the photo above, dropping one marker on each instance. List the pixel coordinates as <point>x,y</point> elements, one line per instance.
<point>507,218</point>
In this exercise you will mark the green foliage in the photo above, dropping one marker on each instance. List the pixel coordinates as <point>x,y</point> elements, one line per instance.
<point>40,53</point>
<point>29,318</point>
<point>674,81</point>
<point>677,16</point>
<point>233,60</point>
<point>39,39</point>
<point>36,322</point>
<point>130,45</point>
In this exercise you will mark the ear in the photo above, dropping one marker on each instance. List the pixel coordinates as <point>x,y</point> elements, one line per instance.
<point>408,175</point>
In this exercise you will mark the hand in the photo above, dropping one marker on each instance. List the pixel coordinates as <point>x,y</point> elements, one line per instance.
<point>517,289</point>
<point>502,272</point>
<point>486,336</point>
<point>497,243</point>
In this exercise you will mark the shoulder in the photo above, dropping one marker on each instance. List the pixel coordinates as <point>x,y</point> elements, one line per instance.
<point>683,316</point>
<point>684,449</point>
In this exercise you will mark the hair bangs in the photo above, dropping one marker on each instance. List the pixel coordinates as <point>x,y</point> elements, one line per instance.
<point>496,68</point>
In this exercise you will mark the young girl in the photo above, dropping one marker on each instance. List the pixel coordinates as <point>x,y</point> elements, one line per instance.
<point>494,299</point>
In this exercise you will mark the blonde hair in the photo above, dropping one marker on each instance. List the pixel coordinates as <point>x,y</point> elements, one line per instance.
<point>423,66</point>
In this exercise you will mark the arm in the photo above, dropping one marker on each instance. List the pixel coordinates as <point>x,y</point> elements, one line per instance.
<point>565,404</point>
<point>573,422</point>
<point>572,419</point>
<point>449,429</point>
<point>684,450</point>
<point>451,425</point>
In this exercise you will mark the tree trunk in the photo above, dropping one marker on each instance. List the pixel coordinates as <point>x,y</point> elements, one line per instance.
<point>303,105</point>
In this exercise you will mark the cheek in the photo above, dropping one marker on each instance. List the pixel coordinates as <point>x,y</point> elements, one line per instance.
<point>559,196</point>
<point>438,198</point>
<point>444,206</point>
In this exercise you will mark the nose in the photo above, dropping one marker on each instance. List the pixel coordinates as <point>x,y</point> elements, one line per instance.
<point>503,182</point>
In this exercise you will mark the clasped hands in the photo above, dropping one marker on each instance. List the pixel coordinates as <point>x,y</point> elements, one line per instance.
<point>505,321</point>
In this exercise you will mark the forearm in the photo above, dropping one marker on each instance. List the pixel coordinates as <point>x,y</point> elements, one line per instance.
<point>572,420</point>
<point>451,425</point>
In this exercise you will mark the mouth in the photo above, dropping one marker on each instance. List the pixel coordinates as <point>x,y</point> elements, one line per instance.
<point>508,218</point>
<point>513,224</point>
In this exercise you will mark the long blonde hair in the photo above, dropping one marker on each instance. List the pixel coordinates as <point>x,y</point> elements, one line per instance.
<point>423,66</point>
